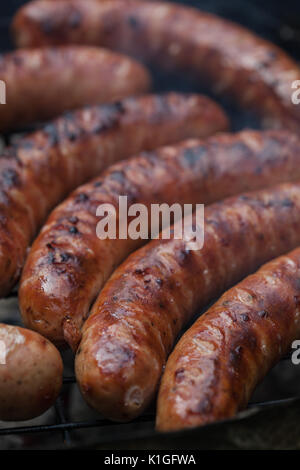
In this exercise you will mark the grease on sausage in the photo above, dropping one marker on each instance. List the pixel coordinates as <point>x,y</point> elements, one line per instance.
<point>37,172</point>
<point>218,362</point>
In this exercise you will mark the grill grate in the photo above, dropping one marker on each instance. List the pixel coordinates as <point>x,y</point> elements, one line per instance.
<point>61,427</point>
<point>104,431</point>
<point>65,427</point>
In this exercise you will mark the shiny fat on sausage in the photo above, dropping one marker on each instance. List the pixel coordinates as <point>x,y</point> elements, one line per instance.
<point>218,362</point>
<point>229,58</point>
<point>43,167</point>
<point>151,296</point>
<point>30,373</point>
<point>68,265</point>
<point>42,83</point>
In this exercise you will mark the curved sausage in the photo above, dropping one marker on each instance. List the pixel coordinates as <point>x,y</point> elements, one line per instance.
<point>30,373</point>
<point>65,270</point>
<point>217,364</point>
<point>229,58</point>
<point>43,167</point>
<point>42,83</point>
<point>148,299</point>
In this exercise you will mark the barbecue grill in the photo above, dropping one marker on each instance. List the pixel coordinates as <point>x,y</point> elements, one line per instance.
<point>272,419</point>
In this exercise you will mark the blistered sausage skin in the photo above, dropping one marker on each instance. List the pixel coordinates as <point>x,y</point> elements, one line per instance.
<point>43,167</point>
<point>31,372</point>
<point>42,83</point>
<point>229,58</point>
<point>148,299</point>
<point>218,362</point>
<point>65,270</point>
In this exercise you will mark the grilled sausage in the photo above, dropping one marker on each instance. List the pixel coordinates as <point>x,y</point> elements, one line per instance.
<point>216,365</point>
<point>229,58</point>
<point>148,299</point>
<point>42,83</point>
<point>43,167</point>
<point>65,271</point>
<point>30,373</point>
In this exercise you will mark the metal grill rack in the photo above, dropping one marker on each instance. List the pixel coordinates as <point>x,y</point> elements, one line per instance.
<point>271,420</point>
<point>66,426</point>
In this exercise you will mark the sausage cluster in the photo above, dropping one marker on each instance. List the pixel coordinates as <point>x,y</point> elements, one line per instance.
<point>229,58</point>
<point>118,304</point>
<point>68,265</point>
<point>152,295</point>
<point>41,168</point>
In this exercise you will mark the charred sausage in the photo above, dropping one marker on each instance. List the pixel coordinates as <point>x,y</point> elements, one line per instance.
<point>230,58</point>
<point>216,365</point>
<point>30,373</point>
<point>42,83</point>
<point>148,299</point>
<point>43,167</point>
<point>65,271</point>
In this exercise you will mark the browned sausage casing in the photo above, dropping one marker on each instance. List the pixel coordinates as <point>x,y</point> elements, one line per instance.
<point>42,83</point>
<point>231,59</point>
<point>216,365</point>
<point>148,299</point>
<point>43,167</point>
<point>30,373</point>
<point>66,270</point>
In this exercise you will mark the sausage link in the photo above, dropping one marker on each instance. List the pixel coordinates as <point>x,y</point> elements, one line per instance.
<point>43,167</point>
<point>30,373</point>
<point>42,83</point>
<point>217,364</point>
<point>148,299</point>
<point>229,58</point>
<point>65,270</point>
